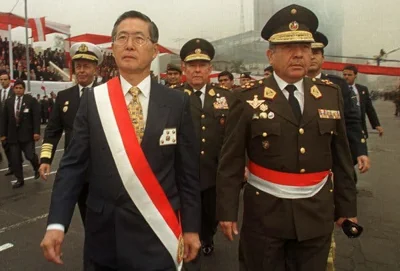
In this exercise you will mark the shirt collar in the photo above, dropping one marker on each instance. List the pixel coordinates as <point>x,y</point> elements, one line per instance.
<point>319,76</point>
<point>144,86</point>
<point>353,86</point>
<point>282,84</point>
<point>203,89</point>
<point>88,86</point>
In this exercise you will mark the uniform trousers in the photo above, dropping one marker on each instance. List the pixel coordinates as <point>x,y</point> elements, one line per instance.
<point>28,148</point>
<point>208,222</point>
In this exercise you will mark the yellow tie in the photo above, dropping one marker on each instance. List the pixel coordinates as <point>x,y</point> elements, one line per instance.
<point>136,113</point>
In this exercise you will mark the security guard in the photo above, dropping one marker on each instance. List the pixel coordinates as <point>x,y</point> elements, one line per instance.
<point>293,131</point>
<point>174,76</point>
<point>209,108</point>
<point>352,118</point>
<point>85,59</point>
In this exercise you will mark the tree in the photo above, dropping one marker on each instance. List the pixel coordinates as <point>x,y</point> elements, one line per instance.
<point>237,66</point>
<point>58,42</point>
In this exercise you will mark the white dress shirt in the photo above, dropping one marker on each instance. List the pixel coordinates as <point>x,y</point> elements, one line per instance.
<point>357,93</point>
<point>81,87</point>
<point>203,94</point>
<point>318,76</point>
<point>299,94</point>
<point>144,98</point>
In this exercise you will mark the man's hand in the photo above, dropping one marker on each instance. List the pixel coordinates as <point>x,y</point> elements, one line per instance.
<point>36,137</point>
<point>3,138</point>
<point>44,171</point>
<point>340,221</point>
<point>192,246</point>
<point>51,246</point>
<point>229,229</point>
<point>363,163</point>
<point>380,130</point>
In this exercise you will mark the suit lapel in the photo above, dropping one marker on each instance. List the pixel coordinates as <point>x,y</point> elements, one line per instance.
<point>310,102</point>
<point>279,105</point>
<point>157,114</point>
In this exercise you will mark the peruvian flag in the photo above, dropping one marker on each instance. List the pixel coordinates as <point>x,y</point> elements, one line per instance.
<point>43,87</point>
<point>38,26</point>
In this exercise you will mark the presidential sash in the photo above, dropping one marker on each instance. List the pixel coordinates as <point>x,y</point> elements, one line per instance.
<point>134,169</point>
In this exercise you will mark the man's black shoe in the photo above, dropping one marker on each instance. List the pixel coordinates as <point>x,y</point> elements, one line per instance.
<point>18,184</point>
<point>9,172</point>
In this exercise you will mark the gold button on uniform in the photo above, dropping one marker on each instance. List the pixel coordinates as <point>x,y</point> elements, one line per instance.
<point>303,151</point>
<point>203,128</point>
<point>203,140</point>
<point>202,152</point>
<point>302,170</point>
<point>264,134</point>
<point>363,140</point>
<point>203,116</point>
<point>301,131</point>
<point>257,193</point>
<point>331,132</point>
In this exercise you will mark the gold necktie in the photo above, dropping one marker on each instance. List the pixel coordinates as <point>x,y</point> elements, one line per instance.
<point>136,113</point>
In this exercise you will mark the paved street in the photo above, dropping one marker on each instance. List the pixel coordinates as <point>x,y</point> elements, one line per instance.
<point>23,214</point>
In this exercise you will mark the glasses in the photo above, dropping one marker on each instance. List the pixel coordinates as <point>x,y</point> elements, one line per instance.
<point>138,40</point>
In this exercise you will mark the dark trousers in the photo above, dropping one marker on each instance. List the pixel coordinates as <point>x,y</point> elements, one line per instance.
<point>90,265</point>
<point>262,252</point>
<point>208,222</point>
<point>28,148</point>
<point>6,148</point>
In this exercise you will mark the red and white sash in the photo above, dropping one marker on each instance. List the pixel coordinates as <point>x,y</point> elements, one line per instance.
<point>287,185</point>
<point>134,169</point>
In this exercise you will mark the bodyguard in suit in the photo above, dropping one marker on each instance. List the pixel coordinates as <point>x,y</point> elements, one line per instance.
<point>355,136</point>
<point>364,101</point>
<point>210,108</point>
<point>6,92</point>
<point>293,131</point>
<point>85,57</point>
<point>21,128</point>
<point>134,141</point>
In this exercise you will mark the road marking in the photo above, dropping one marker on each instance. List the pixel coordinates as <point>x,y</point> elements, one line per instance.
<point>6,246</point>
<point>32,177</point>
<point>25,222</point>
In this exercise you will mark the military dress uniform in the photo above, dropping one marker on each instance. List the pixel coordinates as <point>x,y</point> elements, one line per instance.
<point>63,114</point>
<point>291,199</point>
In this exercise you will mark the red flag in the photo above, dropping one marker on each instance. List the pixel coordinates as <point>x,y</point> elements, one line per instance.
<point>38,26</point>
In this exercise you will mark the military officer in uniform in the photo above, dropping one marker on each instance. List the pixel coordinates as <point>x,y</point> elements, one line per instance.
<point>293,131</point>
<point>352,118</point>
<point>244,78</point>
<point>210,108</point>
<point>174,76</point>
<point>85,58</point>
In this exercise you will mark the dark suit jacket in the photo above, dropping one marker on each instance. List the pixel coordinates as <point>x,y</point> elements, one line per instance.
<point>29,120</point>
<point>352,118</point>
<point>20,76</point>
<point>2,104</point>
<point>61,119</point>
<point>209,124</point>
<point>116,233</point>
<point>367,108</point>
<point>275,143</point>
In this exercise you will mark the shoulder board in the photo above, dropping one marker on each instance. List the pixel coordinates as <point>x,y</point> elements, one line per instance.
<point>324,82</point>
<point>252,84</point>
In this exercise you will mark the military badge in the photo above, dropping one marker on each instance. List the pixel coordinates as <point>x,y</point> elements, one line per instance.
<point>294,26</point>
<point>315,92</point>
<point>263,115</point>
<point>271,115</point>
<point>189,92</point>
<point>222,121</point>
<point>211,92</point>
<point>265,144</point>
<point>255,117</point>
<point>181,249</point>
<point>329,114</point>
<point>83,48</point>
<point>255,102</point>
<point>263,107</point>
<point>66,103</point>
<point>65,109</point>
<point>221,103</point>
<point>269,93</point>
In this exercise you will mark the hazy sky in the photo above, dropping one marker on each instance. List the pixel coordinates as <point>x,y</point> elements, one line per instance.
<point>369,25</point>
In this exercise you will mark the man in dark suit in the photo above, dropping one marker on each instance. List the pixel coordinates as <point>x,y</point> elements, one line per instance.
<point>292,129</point>
<point>21,128</point>
<point>210,108</point>
<point>6,92</point>
<point>134,141</point>
<point>85,56</point>
<point>364,102</point>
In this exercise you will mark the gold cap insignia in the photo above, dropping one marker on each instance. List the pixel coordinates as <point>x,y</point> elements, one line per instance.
<point>83,48</point>
<point>293,11</point>
<point>315,92</point>
<point>65,109</point>
<point>255,102</point>
<point>269,93</point>
<point>211,92</point>
<point>294,26</point>
<point>197,51</point>
<point>189,92</point>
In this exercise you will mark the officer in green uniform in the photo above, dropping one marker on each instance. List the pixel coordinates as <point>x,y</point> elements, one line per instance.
<point>293,131</point>
<point>174,76</point>
<point>209,107</point>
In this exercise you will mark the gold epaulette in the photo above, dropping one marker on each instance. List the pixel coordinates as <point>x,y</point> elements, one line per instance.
<point>252,84</point>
